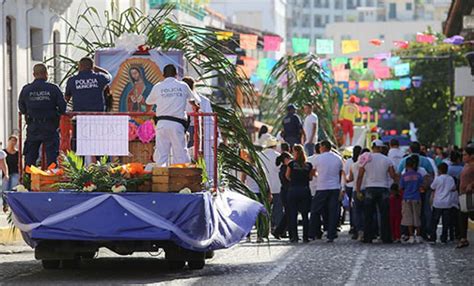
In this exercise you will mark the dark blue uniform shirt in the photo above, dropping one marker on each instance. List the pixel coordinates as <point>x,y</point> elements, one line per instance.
<point>87,91</point>
<point>292,126</point>
<point>41,100</point>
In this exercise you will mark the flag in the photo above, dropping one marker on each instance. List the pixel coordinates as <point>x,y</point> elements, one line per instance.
<point>401,44</point>
<point>300,45</point>
<point>376,42</point>
<point>341,75</point>
<point>382,72</point>
<point>350,46</point>
<point>422,38</point>
<point>324,46</point>
<point>248,41</point>
<point>223,35</point>
<point>271,43</point>
<point>402,69</point>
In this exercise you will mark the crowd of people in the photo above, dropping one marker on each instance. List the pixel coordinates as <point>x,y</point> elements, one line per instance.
<point>391,195</point>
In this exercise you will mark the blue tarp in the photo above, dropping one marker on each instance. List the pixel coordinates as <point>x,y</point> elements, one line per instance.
<point>197,221</point>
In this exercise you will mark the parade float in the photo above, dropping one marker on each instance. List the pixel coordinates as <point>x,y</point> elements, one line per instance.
<point>123,202</point>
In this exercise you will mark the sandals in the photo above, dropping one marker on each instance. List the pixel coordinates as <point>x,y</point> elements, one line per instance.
<point>462,244</point>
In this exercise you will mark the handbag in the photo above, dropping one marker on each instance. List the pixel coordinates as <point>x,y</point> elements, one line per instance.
<point>466,202</point>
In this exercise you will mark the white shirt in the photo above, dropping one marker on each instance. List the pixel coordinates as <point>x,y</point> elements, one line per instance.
<point>443,186</point>
<point>308,128</point>
<point>328,166</point>
<point>347,168</point>
<point>3,155</point>
<point>268,157</point>
<point>313,184</point>
<point>376,171</point>
<point>355,172</point>
<point>171,98</point>
<point>251,184</point>
<point>396,155</point>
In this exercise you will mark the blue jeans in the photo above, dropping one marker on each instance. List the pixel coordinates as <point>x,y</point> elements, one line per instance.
<point>309,149</point>
<point>329,200</point>
<point>299,200</point>
<point>8,185</point>
<point>358,212</point>
<point>377,197</point>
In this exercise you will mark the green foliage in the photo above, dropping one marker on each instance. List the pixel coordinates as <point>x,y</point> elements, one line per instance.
<point>304,83</point>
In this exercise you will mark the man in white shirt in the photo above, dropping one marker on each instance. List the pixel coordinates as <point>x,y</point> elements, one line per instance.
<point>328,168</point>
<point>172,99</point>
<point>268,157</point>
<point>377,172</point>
<point>395,154</point>
<point>310,128</point>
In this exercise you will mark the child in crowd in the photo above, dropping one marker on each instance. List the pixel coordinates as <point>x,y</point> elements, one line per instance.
<point>410,185</point>
<point>443,186</point>
<point>395,212</point>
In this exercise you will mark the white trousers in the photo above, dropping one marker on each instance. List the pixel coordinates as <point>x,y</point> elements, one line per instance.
<point>170,136</point>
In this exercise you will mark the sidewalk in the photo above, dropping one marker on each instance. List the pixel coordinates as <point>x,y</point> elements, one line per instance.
<point>7,235</point>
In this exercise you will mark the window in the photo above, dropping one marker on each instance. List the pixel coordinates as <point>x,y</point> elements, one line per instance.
<point>306,21</point>
<point>345,37</point>
<point>326,4</point>
<point>338,18</point>
<point>327,19</point>
<point>318,21</point>
<point>351,5</point>
<point>338,4</point>
<point>56,53</point>
<point>36,44</point>
<point>305,3</point>
<point>392,11</point>
<point>369,3</point>
<point>408,6</point>
<point>318,4</point>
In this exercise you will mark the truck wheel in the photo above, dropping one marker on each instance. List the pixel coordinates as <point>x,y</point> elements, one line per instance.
<point>71,263</point>
<point>176,264</point>
<point>50,264</point>
<point>196,264</point>
<point>210,254</point>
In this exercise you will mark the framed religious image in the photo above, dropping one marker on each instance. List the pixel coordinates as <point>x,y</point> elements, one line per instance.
<point>135,74</point>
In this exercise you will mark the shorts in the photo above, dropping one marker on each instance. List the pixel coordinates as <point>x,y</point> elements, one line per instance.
<point>411,213</point>
<point>347,127</point>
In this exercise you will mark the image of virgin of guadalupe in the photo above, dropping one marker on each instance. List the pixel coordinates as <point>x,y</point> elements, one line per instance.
<point>135,92</point>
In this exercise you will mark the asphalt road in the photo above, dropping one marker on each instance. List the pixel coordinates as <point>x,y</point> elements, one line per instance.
<point>344,262</point>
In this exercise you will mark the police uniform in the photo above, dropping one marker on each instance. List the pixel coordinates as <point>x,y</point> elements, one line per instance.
<point>292,129</point>
<point>87,91</point>
<point>41,103</point>
<point>171,98</point>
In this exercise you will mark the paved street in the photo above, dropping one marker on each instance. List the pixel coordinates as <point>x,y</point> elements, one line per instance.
<point>345,262</point>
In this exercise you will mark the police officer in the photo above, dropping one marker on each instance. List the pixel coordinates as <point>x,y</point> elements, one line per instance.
<point>88,88</point>
<point>42,103</point>
<point>172,98</point>
<point>292,127</point>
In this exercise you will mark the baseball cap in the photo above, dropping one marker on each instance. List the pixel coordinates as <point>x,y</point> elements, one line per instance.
<point>378,143</point>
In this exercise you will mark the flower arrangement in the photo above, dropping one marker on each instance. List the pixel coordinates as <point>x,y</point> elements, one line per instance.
<point>101,176</point>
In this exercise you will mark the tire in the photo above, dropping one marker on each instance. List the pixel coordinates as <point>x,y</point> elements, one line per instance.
<point>50,264</point>
<point>71,263</point>
<point>210,254</point>
<point>176,265</point>
<point>196,264</point>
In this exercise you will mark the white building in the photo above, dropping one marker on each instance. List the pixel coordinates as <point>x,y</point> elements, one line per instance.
<point>263,15</point>
<point>31,31</point>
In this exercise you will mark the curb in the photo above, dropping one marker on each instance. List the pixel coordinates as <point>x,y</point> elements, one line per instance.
<point>9,236</point>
